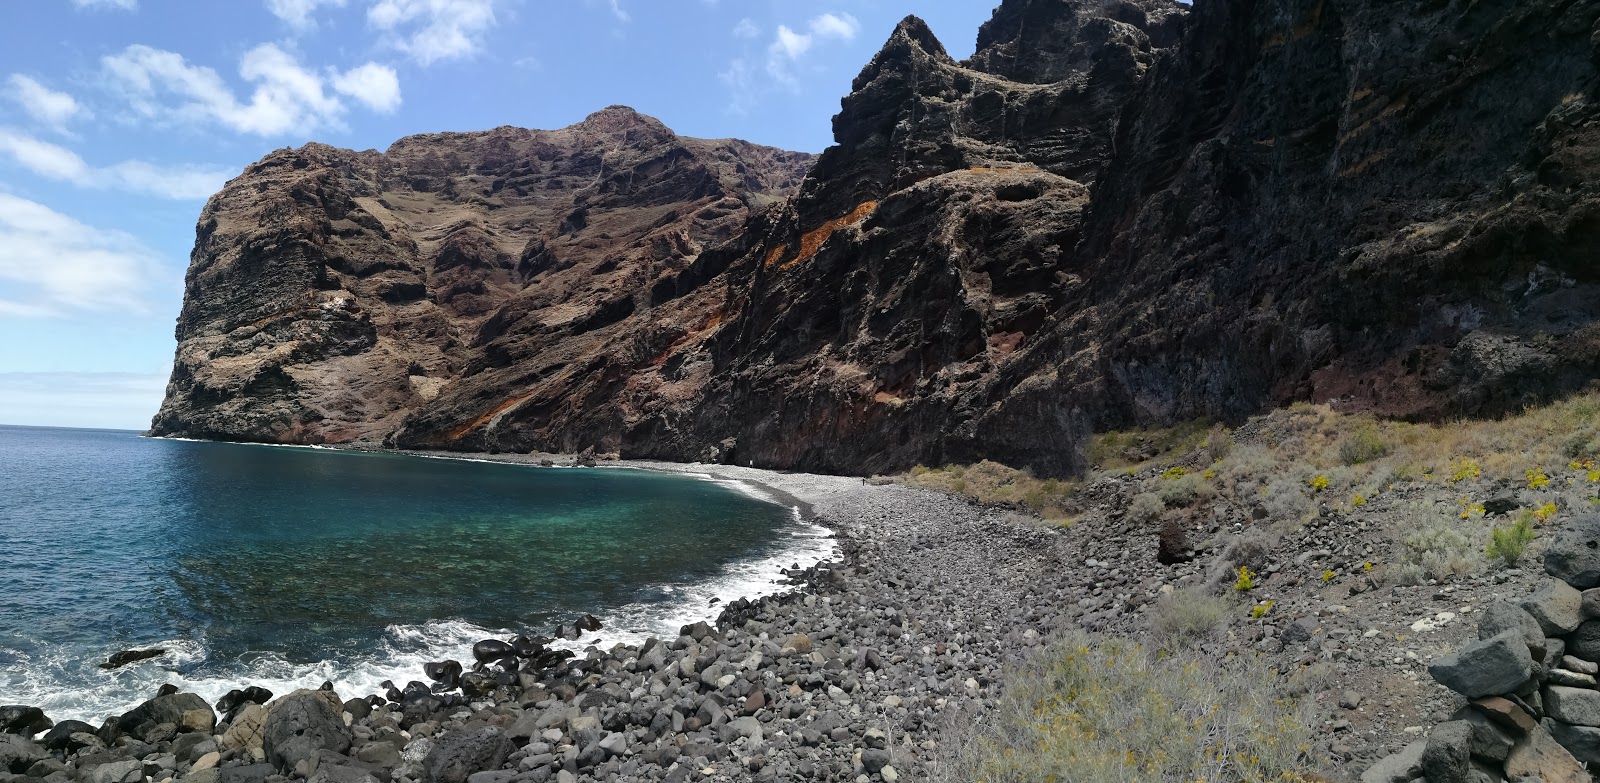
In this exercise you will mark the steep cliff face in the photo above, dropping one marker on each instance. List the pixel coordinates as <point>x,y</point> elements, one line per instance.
<point>333,293</point>
<point>1115,212</point>
<point>1390,206</point>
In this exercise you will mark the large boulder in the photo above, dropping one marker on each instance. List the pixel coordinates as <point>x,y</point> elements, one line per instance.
<point>1490,741</point>
<point>1578,706</point>
<point>1502,616</point>
<point>299,725</point>
<point>245,732</point>
<point>1583,742</point>
<point>186,711</point>
<point>458,756</point>
<point>129,771</point>
<point>20,719</point>
<point>1574,555</point>
<point>1538,755</point>
<point>1447,758</point>
<point>61,736</point>
<point>1557,606</point>
<point>17,753</point>
<point>1486,667</point>
<point>1585,642</point>
<point>1398,767</point>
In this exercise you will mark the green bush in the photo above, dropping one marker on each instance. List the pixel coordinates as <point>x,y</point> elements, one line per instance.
<point>1365,444</point>
<point>1184,491</point>
<point>1097,710</point>
<point>1508,543</point>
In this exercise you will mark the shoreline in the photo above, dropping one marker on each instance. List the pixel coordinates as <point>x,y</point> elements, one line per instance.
<point>797,682</point>
<point>878,660</point>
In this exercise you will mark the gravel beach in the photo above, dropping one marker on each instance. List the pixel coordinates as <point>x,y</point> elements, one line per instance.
<point>855,671</point>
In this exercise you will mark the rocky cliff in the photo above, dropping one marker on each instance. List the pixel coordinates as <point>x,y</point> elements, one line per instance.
<point>1116,212</point>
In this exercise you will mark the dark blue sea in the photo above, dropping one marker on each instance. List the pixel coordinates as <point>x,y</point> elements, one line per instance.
<point>285,567</point>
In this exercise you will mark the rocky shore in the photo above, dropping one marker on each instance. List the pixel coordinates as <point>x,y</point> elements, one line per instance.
<point>872,668</point>
<point>849,672</point>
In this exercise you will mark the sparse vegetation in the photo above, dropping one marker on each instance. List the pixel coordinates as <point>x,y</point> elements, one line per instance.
<point>1246,580</point>
<point>1289,462</point>
<point>1101,710</point>
<point>992,482</point>
<point>1439,550</point>
<point>1185,617</point>
<point>1507,543</point>
<point>1363,445</point>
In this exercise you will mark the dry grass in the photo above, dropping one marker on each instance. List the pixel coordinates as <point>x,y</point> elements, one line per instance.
<point>992,482</point>
<point>1093,710</point>
<point>1288,464</point>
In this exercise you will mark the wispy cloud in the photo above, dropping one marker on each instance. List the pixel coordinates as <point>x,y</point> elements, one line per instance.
<point>124,5</point>
<point>287,97</point>
<point>107,400</point>
<point>59,163</point>
<point>54,265</point>
<point>298,13</point>
<point>430,31</point>
<point>43,104</point>
<point>784,56</point>
<point>788,46</point>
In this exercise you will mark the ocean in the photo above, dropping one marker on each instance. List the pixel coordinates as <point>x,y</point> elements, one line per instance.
<point>285,567</point>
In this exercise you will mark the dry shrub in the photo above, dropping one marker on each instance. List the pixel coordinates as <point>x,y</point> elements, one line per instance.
<point>992,482</point>
<point>1251,549</point>
<point>1145,508</point>
<point>1439,549</point>
<point>1099,710</point>
<point>1190,616</point>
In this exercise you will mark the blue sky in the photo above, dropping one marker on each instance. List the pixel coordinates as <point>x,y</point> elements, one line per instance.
<point>119,117</point>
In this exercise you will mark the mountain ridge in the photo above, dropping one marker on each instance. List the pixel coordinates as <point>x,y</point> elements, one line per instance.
<point>1115,213</point>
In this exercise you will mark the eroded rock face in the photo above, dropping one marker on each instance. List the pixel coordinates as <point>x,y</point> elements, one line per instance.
<point>1116,212</point>
<point>333,293</point>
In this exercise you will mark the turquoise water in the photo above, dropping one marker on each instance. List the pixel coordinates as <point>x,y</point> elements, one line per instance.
<point>286,566</point>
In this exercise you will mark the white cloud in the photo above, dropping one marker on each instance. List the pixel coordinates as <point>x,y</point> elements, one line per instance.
<point>788,46</point>
<point>841,26</point>
<point>784,55</point>
<point>125,5</point>
<point>433,30</point>
<point>108,400</point>
<point>298,12</point>
<point>54,264</point>
<point>59,163</point>
<point>42,103</point>
<point>288,97</point>
<point>374,85</point>
<point>619,13</point>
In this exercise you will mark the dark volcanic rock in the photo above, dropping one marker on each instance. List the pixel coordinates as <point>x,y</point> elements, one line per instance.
<point>463,754</point>
<point>1116,212</point>
<point>121,659</point>
<point>301,724</point>
<point>24,720</point>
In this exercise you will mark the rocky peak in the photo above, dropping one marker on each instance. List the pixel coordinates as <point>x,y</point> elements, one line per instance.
<point>615,119</point>
<point>1046,42</point>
